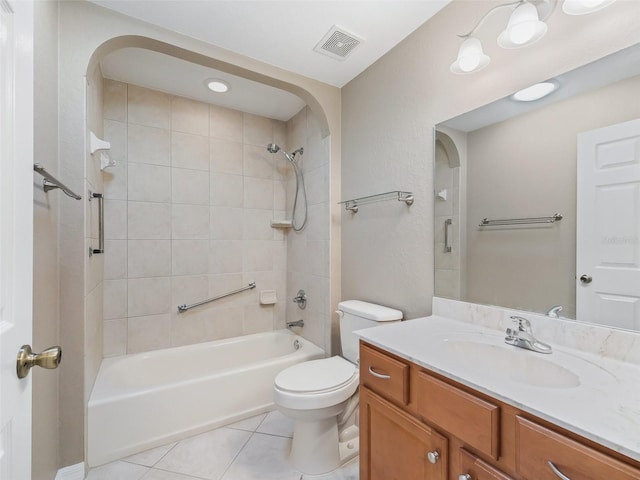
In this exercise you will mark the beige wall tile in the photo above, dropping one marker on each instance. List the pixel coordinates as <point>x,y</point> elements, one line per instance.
<point>189,289</point>
<point>225,124</point>
<point>227,190</point>
<point>115,219</point>
<point>115,182</point>
<point>115,259</point>
<point>225,256</point>
<point>148,296</point>
<point>257,318</point>
<point>226,223</point>
<point>149,145</point>
<point>150,332</point>
<point>149,258</point>
<point>257,224</point>
<point>257,162</point>
<point>115,299</point>
<point>189,151</point>
<point>149,183</point>
<point>189,257</point>
<point>220,284</point>
<point>226,157</point>
<point>189,116</point>
<point>115,337</point>
<point>258,193</point>
<point>258,130</point>
<point>115,100</point>
<point>189,186</point>
<point>148,107</point>
<point>257,255</point>
<point>116,134</point>
<point>149,220</point>
<point>190,221</point>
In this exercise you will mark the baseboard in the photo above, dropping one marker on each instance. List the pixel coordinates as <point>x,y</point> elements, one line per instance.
<point>72,472</point>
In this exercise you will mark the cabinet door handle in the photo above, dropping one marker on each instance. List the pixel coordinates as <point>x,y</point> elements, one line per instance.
<point>465,476</point>
<point>379,375</point>
<point>556,471</point>
<point>433,457</point>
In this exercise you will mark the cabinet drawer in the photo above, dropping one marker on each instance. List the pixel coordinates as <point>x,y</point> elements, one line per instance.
<point>477,469</point>
<point>385,375</point>
<point>536,446</point>
<point>474,421</point>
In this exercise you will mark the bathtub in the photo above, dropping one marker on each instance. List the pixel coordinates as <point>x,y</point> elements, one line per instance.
<point>145,400</point>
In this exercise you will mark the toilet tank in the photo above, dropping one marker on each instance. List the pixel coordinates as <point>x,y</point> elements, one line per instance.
<point>356,315</point>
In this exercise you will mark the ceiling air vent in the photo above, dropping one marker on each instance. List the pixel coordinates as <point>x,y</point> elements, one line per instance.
<point>338,43</point>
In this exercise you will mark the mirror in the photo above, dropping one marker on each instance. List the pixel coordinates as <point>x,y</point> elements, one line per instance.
<point>519,163</point>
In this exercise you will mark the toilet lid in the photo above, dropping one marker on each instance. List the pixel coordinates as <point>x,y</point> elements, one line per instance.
<point>316,375</point>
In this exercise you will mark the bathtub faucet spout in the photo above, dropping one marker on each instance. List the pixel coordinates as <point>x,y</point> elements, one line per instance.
<point>299,323</point>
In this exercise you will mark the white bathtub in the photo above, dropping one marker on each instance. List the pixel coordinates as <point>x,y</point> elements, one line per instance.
<point>144,400</point>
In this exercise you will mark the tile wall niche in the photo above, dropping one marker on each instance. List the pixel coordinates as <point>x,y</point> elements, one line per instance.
<point>187,216</point>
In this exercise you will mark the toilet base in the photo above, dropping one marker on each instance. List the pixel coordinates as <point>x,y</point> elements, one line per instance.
<point>319,448</point>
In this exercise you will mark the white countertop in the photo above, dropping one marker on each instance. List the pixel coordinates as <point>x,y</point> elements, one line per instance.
<point>595,397</point>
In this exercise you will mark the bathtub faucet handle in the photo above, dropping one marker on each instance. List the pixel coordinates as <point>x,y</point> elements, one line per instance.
<point>301,299</point>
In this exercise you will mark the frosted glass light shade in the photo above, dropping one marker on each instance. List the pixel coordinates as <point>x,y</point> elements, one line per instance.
<point>582,7</point>
<point>471,58</point>
<point>524,28</point>
<point>535,92</point>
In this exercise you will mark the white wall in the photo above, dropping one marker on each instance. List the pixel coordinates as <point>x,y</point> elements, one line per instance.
<point>388,115</point>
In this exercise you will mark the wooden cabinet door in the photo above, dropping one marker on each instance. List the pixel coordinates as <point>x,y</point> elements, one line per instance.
<point>395,446</point>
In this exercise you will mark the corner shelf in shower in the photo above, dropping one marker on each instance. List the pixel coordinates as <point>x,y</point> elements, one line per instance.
<point>353,204</point>
<point>281,224</point>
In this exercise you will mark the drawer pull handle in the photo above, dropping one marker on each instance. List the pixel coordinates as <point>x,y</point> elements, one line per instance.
<point>556,471</point>
<point>379,375</point>
<point>433,457</point>
<point>465,476</point>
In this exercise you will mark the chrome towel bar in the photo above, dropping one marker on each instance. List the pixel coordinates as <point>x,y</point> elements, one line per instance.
<point>352,205</point>
<point>184,308</point>
<point>556,217</point>
<point>50,182</point>
<point>100,198</point>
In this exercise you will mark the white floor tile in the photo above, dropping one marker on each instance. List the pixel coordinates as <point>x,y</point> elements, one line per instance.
<point>207,455</point>
<point>149,458</point>
<point>277,424</point>
<point>155,474</point>
<point>263,458</point>
<point>119,470</point>
<point>350,471</point>
<point>249,424</point>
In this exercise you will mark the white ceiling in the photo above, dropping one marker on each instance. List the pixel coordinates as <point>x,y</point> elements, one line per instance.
<point>282,33</point>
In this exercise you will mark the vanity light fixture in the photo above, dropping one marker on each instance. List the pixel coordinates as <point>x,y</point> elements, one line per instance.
<point>216,85</point>
<point>582,7</point>
<point>535,92</point>
<point>526,26</point>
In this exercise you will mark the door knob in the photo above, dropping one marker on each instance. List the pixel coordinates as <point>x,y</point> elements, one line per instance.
<point>586,279</point>
<point>50,358</point>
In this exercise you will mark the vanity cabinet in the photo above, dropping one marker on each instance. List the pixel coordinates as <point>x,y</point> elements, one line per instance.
<point>416,424</point>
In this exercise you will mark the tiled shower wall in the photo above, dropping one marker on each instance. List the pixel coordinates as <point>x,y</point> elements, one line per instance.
<point>187,216</point>
<point>308,250</point>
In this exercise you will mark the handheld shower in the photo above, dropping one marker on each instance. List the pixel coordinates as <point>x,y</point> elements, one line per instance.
<point>273,148</point>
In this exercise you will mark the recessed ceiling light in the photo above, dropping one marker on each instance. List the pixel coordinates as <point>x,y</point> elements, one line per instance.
<point>535,92</point>
<point>217,85</point>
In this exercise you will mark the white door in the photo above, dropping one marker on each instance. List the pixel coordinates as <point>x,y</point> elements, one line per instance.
<point>608,226</point>
<point>16,232</point>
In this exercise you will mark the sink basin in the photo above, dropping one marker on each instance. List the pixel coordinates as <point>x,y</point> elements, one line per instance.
<point>488,355</point>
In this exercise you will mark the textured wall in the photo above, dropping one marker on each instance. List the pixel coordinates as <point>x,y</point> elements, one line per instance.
<point>388,116</point>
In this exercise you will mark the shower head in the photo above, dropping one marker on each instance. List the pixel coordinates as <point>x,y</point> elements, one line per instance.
<point>273,148</point>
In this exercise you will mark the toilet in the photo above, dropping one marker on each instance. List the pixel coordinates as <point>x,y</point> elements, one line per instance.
<point>321,395</point>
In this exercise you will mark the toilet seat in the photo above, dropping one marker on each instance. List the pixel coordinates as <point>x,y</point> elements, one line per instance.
<point>316,384</point>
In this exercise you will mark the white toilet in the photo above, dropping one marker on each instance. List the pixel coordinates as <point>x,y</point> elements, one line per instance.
<point>321,395</point>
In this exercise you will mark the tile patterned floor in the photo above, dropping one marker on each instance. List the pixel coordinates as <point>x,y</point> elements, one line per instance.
<point>253,449</point>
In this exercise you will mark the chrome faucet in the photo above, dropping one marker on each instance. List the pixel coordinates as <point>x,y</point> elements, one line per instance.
<point>554,312</point>
<point>299,323</point>
<point>522,336</point>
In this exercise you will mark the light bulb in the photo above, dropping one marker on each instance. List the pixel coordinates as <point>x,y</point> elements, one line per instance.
<point>522,33</point>
<point>583,7</point>
<point>535,92</point>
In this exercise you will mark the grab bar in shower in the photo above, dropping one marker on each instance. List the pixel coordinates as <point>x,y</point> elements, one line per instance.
<point>184,308</point>
<point>100,249</point>
<point>50,182</point>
